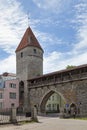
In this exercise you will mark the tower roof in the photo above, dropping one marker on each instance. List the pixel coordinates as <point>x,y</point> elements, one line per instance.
<point>28,39</point>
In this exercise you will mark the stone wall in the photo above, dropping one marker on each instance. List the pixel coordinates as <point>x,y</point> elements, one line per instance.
<point>81,93</point>
<point>30,64</point>
<point>72,92</point>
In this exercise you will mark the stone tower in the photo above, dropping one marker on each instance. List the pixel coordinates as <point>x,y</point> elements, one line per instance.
<point>29,63</point>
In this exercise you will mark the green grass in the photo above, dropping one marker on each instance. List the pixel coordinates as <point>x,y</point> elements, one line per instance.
<point>81,118</point>
<point>26,122</point>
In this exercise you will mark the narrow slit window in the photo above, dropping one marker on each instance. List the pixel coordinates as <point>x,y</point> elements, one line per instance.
<point>21,54</point>
<point>35,51</point>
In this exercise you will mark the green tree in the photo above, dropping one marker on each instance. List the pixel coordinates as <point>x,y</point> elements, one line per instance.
<point>70,66</point>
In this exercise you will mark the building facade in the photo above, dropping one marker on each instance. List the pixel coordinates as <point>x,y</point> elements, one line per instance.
<point>54,103</point>
<point>9,91</point>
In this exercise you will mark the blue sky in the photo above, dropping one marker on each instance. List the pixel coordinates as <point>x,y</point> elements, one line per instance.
<point>59,25</point>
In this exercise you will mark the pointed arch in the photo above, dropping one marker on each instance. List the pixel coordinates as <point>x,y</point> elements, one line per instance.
<point>46,97</point>
<point>73,105</point>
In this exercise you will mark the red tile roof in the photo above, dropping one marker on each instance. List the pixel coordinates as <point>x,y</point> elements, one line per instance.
<point>8,74</point>
<point>28,39</point>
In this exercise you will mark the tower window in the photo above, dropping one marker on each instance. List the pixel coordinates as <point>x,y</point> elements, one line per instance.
<point>35,51</point>
<point>21,54</point>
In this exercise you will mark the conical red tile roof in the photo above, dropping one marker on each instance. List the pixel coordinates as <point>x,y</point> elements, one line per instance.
<point>28,39</point>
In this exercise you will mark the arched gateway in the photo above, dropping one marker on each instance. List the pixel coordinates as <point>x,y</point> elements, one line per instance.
<point>61,101</point>
<point>70,84</point>
<point>36,88</point>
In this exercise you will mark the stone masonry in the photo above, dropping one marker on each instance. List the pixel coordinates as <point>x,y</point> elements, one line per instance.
<point>29,64</point>
<point>36,88</point>
<point>71,85</point>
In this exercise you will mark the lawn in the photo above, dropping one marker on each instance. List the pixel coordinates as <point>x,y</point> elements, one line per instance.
<point>81,118</point>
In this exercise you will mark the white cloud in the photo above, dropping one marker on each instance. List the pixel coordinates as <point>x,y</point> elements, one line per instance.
<point>76,56</point>
<point>81,21</point>
<point>55,6</point>
<point>47,39</point>
<point>8,64</point>
<point>58,61</point>
<point>11,20</point>
<point>51,61</point>
<point>46,22</point>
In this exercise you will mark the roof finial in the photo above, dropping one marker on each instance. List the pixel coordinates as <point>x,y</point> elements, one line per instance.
<point>28,18</point>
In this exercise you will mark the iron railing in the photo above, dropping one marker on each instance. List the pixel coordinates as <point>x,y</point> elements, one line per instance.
<point>5,115</point>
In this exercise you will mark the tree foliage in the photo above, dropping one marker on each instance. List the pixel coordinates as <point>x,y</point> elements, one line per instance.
<point>70,66</point>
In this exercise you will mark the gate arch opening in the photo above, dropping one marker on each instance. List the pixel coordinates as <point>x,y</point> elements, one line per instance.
<point>52,102</point>
<point>73,108</point>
